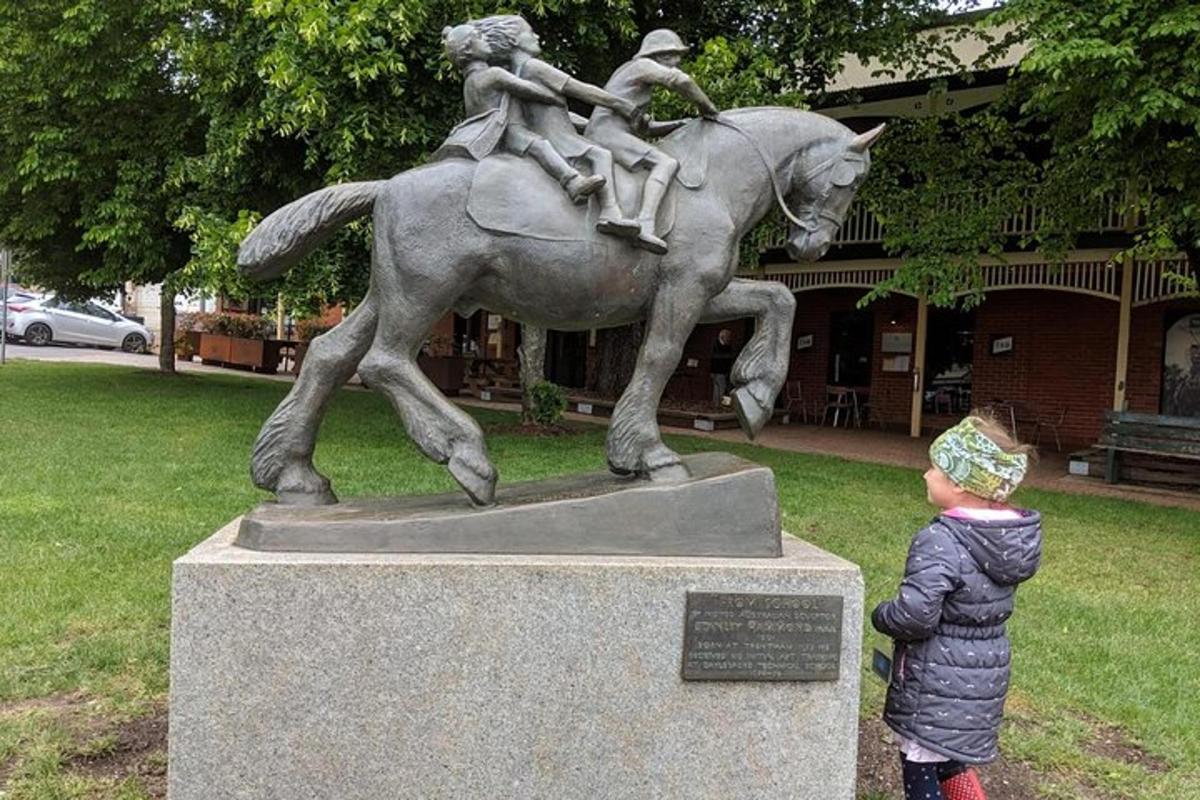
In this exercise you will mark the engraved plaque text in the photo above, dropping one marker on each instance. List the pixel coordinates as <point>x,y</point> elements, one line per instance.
<point>762,637</point>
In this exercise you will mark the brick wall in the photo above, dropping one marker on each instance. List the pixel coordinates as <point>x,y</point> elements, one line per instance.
<point>889,391</point>
<point>1064,355</point>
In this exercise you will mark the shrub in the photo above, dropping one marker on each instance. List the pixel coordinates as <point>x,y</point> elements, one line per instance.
<point>547,403</point>
<point>241,326</point>
<point>310,328</point>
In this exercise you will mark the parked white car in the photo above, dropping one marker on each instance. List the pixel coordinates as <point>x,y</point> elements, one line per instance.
<point>51,319</point>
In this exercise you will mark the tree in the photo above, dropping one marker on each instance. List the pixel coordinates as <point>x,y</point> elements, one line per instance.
<point>1105,104</point>
<point>95,125</point>
<point>1117,85</point>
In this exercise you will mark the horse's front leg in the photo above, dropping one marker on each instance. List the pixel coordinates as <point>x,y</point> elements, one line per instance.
<point>761,367</point>
<point>634,443</point>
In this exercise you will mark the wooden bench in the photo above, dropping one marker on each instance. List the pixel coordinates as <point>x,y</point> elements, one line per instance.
<point>1148,434</point>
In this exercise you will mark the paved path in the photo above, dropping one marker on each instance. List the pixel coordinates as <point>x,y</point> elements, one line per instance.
<point>93,355</point>
<point>873,446</point>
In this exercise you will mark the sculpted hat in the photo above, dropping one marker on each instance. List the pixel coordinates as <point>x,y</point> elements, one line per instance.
<point>976,463</point>
<point>661,41</point>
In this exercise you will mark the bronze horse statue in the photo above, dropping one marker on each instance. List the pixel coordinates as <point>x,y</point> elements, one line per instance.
<point>431,256</point>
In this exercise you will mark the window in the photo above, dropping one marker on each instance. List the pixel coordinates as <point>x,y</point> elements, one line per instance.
<point>93,310</point>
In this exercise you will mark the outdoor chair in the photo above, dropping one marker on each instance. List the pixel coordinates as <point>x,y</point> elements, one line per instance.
<point>943,399</point>
<point>839,399</point>
<point>1052,421</point>
<point>794,401</point>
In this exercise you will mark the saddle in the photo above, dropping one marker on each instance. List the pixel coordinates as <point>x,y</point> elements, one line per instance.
<point>542,210</point>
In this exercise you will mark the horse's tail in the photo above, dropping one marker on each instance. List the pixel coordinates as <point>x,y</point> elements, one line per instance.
<point>295,230</point>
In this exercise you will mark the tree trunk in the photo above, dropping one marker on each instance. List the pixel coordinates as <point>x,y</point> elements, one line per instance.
<point>166,341</point>
<point>532,356</point>
<point>616,356</point>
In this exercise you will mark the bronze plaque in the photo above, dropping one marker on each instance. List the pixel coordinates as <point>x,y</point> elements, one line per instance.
<point>762,637</point>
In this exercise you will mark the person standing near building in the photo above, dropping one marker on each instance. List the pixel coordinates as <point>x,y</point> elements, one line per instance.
<point>950,665</point>
<point>720,364</point>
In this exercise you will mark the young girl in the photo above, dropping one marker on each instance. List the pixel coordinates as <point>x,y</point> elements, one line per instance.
<point>951,663</point>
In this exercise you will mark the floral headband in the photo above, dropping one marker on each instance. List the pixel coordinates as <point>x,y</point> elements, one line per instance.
<point>976,463</point>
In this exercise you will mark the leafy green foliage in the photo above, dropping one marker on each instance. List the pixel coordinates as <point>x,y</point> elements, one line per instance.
<point>943,187</point>
<point>94,128</point>
<point>1117,86</point>
<point>548,401</point>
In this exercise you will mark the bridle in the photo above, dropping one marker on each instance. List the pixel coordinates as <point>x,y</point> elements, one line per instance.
<point>817,213</point>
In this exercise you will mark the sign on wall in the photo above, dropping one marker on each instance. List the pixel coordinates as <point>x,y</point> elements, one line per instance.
<point>1002,345</point>
<point>896,343</point>
<point>1181,368</point>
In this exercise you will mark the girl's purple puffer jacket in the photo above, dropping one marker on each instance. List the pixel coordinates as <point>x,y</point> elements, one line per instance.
<point>951,664</point>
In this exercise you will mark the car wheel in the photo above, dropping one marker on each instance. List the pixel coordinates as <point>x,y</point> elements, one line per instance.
<point>134,343</point>
<point>38,334</point>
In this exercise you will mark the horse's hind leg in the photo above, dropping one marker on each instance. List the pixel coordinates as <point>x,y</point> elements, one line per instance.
<point>440,429</point>
<point>761,367</point>
<point>634,444</point>
<point>282,460</point>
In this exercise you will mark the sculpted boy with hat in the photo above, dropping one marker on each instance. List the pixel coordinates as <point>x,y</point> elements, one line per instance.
<point>655,64</point>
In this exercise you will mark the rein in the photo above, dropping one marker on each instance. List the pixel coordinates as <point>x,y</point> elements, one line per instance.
<point>812,173</point>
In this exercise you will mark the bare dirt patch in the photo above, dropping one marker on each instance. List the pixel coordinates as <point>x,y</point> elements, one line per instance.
<point>1109,741</point>
<point>136,748</point>
<point>879,769</point>
<point>98,746</point>
<point>535,431</point>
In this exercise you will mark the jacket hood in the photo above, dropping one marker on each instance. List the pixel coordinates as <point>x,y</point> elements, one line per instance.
<point>1008,551</point>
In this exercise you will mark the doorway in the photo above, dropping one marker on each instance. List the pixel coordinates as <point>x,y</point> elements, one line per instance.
<point>949,361</point>
<point>851,340</point>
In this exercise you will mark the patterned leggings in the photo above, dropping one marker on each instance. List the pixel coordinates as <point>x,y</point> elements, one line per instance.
<point>944,780</point>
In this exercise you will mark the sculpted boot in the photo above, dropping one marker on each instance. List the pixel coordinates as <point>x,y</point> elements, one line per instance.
<point>612,221</point>
<point>580,187</point>
<point>651,198</point>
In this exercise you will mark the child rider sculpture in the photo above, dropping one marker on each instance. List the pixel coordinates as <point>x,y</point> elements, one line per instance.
<point>487,95</point>
<point>512,42</point>
<point>654,65</point>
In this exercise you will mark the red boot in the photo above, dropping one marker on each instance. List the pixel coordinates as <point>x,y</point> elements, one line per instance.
<point>963,786</point>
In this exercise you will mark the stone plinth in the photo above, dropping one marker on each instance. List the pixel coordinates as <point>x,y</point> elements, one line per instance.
<point>371,677</point>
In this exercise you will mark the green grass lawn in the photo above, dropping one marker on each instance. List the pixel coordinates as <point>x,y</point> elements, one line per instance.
<point>108,474</point>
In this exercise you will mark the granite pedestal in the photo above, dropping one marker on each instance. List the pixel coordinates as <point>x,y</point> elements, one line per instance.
<point>381,676</point>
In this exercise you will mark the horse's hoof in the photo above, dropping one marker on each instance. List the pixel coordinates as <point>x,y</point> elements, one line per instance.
<point>671,473</point>
<point>301,485</point>
<point>477,480</point>
<point>751,414</point>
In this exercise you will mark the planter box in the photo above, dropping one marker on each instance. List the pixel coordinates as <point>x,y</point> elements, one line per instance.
<point>446,372</point>
<point>247,352</point>
<point>214,348</point>
<point>261,355</point>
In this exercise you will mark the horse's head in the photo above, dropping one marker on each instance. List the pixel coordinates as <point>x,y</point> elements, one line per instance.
<point>824,193</point>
